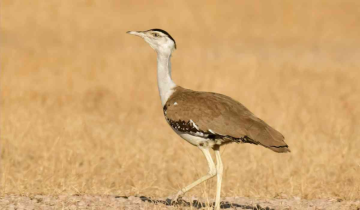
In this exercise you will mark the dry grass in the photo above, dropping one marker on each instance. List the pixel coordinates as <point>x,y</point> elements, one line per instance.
<point>80,112</point>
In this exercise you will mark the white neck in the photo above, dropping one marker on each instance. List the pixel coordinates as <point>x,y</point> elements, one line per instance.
<point>165,83</point>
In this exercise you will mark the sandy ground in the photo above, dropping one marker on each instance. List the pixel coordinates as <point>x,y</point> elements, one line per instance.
<point>143,202</point>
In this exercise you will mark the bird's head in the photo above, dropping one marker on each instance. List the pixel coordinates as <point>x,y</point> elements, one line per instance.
<point>158,39</point>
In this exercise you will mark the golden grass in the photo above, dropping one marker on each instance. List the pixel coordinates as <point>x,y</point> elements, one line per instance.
<point>80,112</point>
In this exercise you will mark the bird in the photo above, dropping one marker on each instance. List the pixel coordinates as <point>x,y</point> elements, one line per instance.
<point>206,120</point>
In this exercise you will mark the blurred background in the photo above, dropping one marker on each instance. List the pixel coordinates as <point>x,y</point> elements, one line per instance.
<point>81,114</point>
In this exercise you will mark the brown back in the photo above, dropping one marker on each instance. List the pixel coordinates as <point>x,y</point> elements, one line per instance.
<point>222,115</point>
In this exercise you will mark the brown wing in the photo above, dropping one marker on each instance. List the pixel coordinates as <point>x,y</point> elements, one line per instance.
<point>220,114</point>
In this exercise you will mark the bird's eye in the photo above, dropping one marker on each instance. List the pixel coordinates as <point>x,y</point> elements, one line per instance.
<point>156,35</point>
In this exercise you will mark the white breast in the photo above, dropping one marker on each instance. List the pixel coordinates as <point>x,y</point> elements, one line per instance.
<point>196,140</point>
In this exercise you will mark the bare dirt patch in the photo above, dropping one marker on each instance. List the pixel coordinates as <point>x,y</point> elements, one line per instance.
<point>143,202</point>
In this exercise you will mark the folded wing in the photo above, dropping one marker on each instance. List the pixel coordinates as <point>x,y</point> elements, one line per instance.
<point>223,116</point>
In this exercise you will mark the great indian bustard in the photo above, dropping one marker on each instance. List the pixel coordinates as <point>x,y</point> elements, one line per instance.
<point>206,120</point>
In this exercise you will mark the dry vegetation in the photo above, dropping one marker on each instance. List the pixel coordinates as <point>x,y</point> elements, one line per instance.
<point>80,112</point>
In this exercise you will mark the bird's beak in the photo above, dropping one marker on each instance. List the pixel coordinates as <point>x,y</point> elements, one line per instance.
<point>136,33</point>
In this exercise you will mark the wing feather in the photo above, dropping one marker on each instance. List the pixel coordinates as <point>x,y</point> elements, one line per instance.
<point>222,115</point>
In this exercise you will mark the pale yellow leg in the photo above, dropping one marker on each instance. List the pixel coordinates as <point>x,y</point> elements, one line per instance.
<point>219,172</point>
<point>211,173</point>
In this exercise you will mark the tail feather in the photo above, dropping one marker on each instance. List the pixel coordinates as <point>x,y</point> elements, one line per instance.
<point>270,138</point>
<point>274,140</point>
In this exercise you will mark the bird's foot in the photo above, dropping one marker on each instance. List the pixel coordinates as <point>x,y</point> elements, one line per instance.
<point>177,198</point>
<point>178,195</point>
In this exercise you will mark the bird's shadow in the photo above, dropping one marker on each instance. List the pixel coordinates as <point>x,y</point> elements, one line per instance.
<point>196,204</point>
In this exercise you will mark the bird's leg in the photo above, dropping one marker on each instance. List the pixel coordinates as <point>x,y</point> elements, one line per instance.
<point>211,173</point>
<point>219,172</point>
